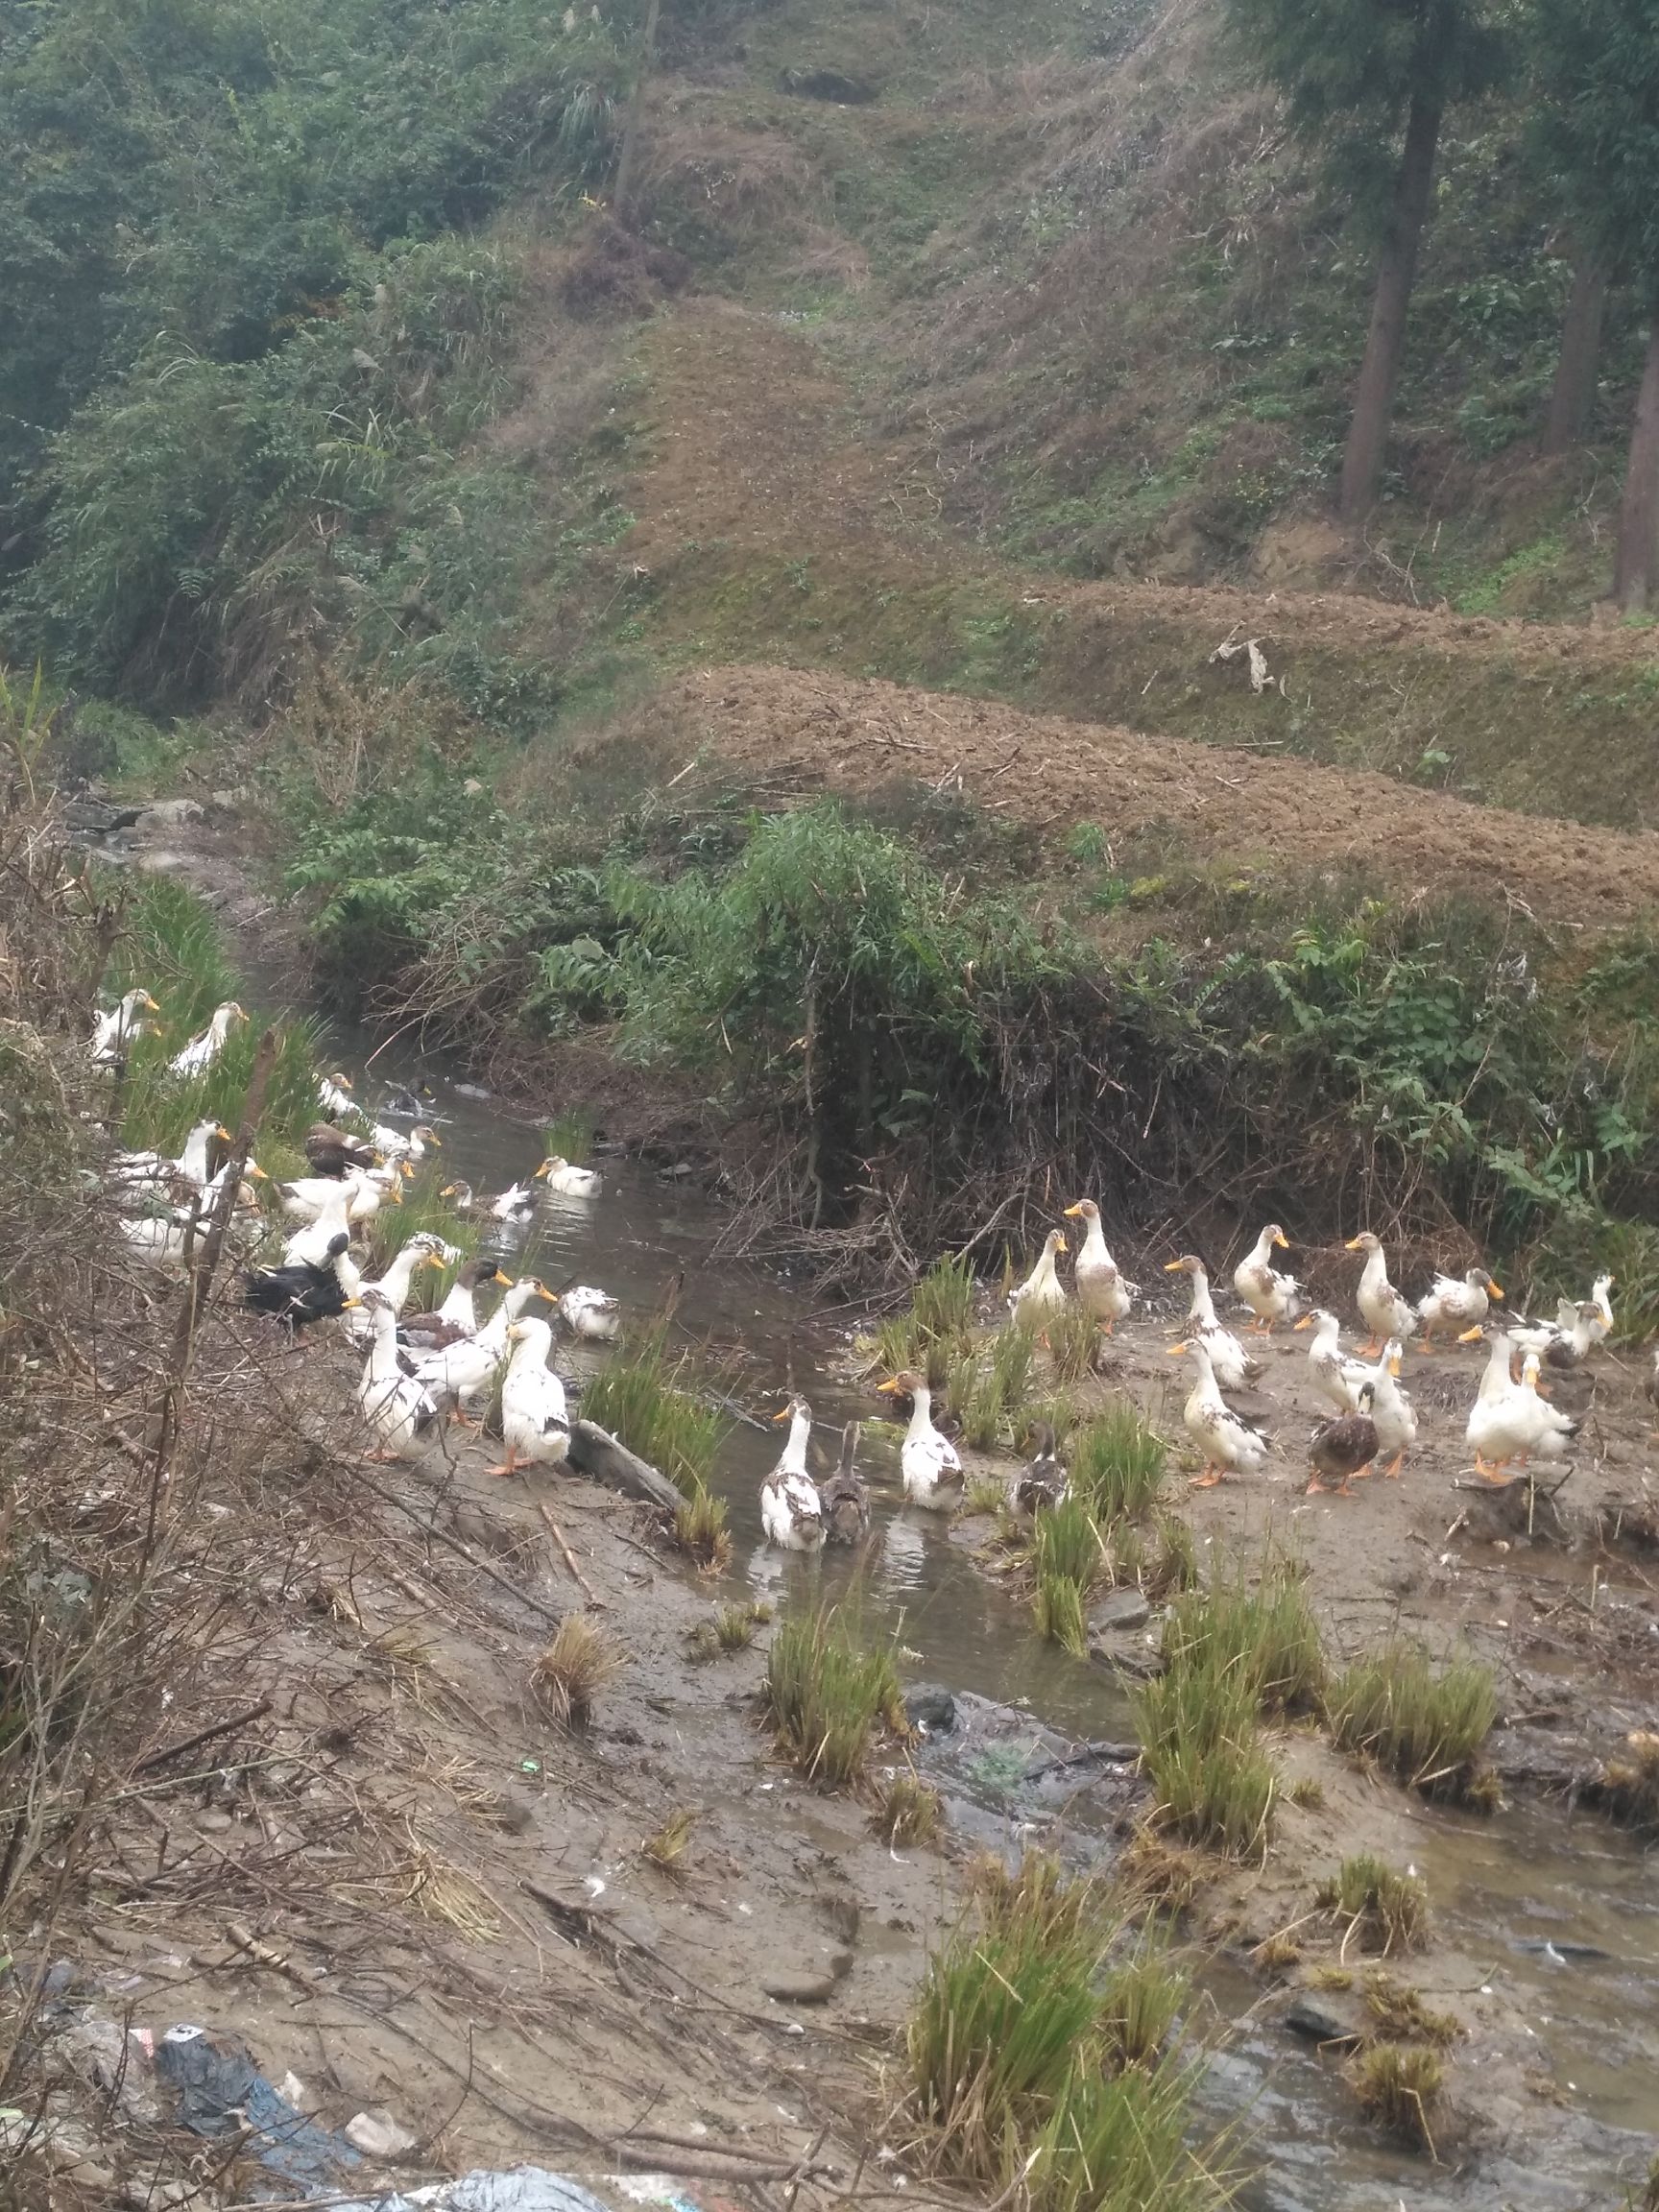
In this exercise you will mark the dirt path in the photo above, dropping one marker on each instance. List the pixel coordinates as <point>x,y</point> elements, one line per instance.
<point>780,526</point>
<point>800,732</point>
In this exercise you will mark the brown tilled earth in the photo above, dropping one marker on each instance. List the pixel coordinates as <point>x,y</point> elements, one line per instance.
<point>808,732</point>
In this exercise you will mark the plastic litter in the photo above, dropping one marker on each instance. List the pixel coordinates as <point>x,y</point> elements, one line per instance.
<point>525,2189</point>
<point>219,2089</point>
<point>378,2135</point>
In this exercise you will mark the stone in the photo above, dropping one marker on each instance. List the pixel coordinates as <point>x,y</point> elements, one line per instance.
<point>930,1708</point>
<point>1119,1610</point>
<point>1313,2014</point>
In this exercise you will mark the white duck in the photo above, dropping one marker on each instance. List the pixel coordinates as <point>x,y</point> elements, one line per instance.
<point>1456,1303</point>
<point>1509,1422</point>
<point>400,1412</point>
<point>566,1180</point>
<point>1233,1366</point>
<point>1381,1308</point>
<point>1270,1296</point>
<point>517,1204</point>
<point>933,1472</point>
<point>458,1315</point>
<point>334,1097</point>
<point>535,1418</point>
<point>310,1245</point>
<point>394,1284</point>
<point>113,1031</point>
<point>791,1510</point>
<point>1042,1294</point>
<point>591,1313</point>
<point>1335,1376</point>
<point>1564,1342</point>
<point>160,1238</point>
<point>394,1144</point>
<point>1567,1309</point>
<point>199,1054</point>
<point>135,1170</point>
<point>493,1333</point>
<point>1230,1443</point>
<point>1101,1289</point>
<point>1391,1410</point>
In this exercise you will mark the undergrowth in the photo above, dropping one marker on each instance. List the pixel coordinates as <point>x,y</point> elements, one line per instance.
<point>1424,1723</point>
<point>825,1690</point>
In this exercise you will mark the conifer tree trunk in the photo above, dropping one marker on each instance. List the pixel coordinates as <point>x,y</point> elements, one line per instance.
<point>1374,398</point>
<point>1638,555</point>
<point>1575,389</point>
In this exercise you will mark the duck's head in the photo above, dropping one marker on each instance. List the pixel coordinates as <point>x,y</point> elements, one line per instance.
<point>1394,1355</point>
<point>1273,1234</point>
<point>1189,1264</point>
<point>1054,1242</point>
<point>905,1385</point>
<point>1318,1318</point>
<point>476,1273</point>
<point>341,1080</point>
<point>1041,1440</point>
<point>1477,1279</point>
<point>795,1410</point>
<point>427,1135</point>
<point>551,1165</point>
<point>1367,1396</point>
<point>460,1193</point>
<point>1086,1207</point>
<point>1365,1242</point>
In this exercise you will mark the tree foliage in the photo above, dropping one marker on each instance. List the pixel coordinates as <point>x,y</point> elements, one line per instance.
<point>1598,62</point>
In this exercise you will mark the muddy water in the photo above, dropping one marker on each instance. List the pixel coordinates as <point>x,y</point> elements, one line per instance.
<point>1563,1913</point>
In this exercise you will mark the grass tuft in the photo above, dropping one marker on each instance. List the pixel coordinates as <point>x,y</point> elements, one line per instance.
<point>909,1811</point>
<point>640,1397</point>
<point>1213,1783</point>
<point>574,1669</point>
<point>1384,1911</point>
<point>570,1136</point>
<point>825,1691</point>
<point>1262,1631</point>
<point>1399,2087</point>
<point>1074,1342</point>
<point>1400,2015</point>
<point>1058,1608</point>
<point>1422,1725</point>
<point>667,1847</point>
<point>984,1494</point>
<point>1117,1463</point>
<point>1039,2056</point>
<point>701,1533</point>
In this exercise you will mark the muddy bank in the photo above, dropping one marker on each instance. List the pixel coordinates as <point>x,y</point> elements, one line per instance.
<point>404,1768</point>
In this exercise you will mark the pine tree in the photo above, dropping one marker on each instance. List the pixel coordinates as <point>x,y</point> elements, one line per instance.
<point>1378,72</point>
<point>1600,60</point>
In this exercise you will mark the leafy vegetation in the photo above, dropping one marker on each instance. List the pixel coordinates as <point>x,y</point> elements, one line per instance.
<point>1041,2050</point>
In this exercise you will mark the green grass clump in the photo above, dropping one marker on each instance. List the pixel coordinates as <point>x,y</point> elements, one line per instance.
<point>1398,2085</point>
<point>641,1399</point>
<point>1070,1559</point>
<point>1169,1561</point>
<point>570,1136</point>
<point>1425,1725</point>
<point>1073,1339</point>
<point>942,1310</point>
<point>1040,2057</point>
<point>1263,1632</point>
<point>1381,1910</point>
<point>1117,1463</point>
<point>985,1394</point>
<point>826,1688</point>
<point>984,1494</point>
<point>423,1212</point>
<point>1212,1782</point>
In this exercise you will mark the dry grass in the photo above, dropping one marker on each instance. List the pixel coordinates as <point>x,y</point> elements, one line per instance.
<point>665,1846</point>
<point>700,1530</point>
<point>1380,1910</point>
<point>1400,2015</point>
<point>572,1671</point>
<point>907,1811</point>
<point>1399,2087</point>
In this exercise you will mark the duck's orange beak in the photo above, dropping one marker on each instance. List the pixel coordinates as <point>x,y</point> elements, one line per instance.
<point>1306,1322</point>
<point>1352,1246</point>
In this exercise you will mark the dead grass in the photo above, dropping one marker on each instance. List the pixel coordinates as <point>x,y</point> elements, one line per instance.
<point>907,1811</point>
<point>665,1846</point>
<point>1399,2087</point>
<point>574,1669</point>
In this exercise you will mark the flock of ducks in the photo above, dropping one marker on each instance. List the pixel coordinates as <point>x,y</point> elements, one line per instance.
<point>420,1370</point>
<point>423,1369</point>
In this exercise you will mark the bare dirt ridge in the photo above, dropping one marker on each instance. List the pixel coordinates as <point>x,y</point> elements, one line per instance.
<point>1230,805</point>
<point>778,523</point>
